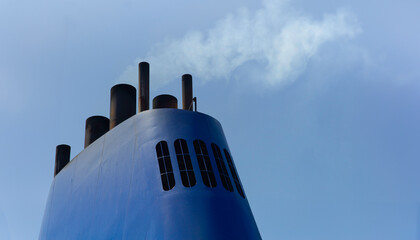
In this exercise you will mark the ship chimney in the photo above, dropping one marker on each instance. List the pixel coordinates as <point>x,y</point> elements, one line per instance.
<point>62,157</point>
<point>165,101</point>
<point>96,126</point>
<point>187,92</point>
<point>123,104</point>
<point>144,86</point>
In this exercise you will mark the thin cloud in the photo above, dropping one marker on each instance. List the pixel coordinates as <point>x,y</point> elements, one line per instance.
<point>275,41</point>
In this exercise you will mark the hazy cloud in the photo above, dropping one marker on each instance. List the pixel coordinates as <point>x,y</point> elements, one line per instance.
<point>273,43</point>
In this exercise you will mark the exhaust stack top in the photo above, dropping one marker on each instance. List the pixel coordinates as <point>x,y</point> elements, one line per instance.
<point>96,126</point>
<point>187,92</point>
<point>123,104</point>
<point>144,76</point>
<point>165,101</point>
<point>62,157</point>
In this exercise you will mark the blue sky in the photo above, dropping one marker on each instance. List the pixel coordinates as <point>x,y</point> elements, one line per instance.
<point>319,101</point>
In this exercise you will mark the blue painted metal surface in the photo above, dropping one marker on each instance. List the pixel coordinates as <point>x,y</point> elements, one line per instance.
<point>113,188</point>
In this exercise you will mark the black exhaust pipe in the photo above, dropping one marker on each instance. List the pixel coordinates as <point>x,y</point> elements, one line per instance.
<point>123,104</point>
<point>144,76</point>
<point>62,157</point>
<point>165,101</point>
<point>187,92</point>
<point>96,126</point>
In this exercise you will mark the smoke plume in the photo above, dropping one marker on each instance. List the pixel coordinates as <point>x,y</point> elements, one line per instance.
<point>271,45</point>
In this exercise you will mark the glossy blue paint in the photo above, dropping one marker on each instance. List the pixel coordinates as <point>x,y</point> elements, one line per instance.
<point>113,189</point>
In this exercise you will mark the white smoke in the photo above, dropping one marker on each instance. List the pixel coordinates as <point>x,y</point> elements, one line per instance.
<point>271,41</point>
